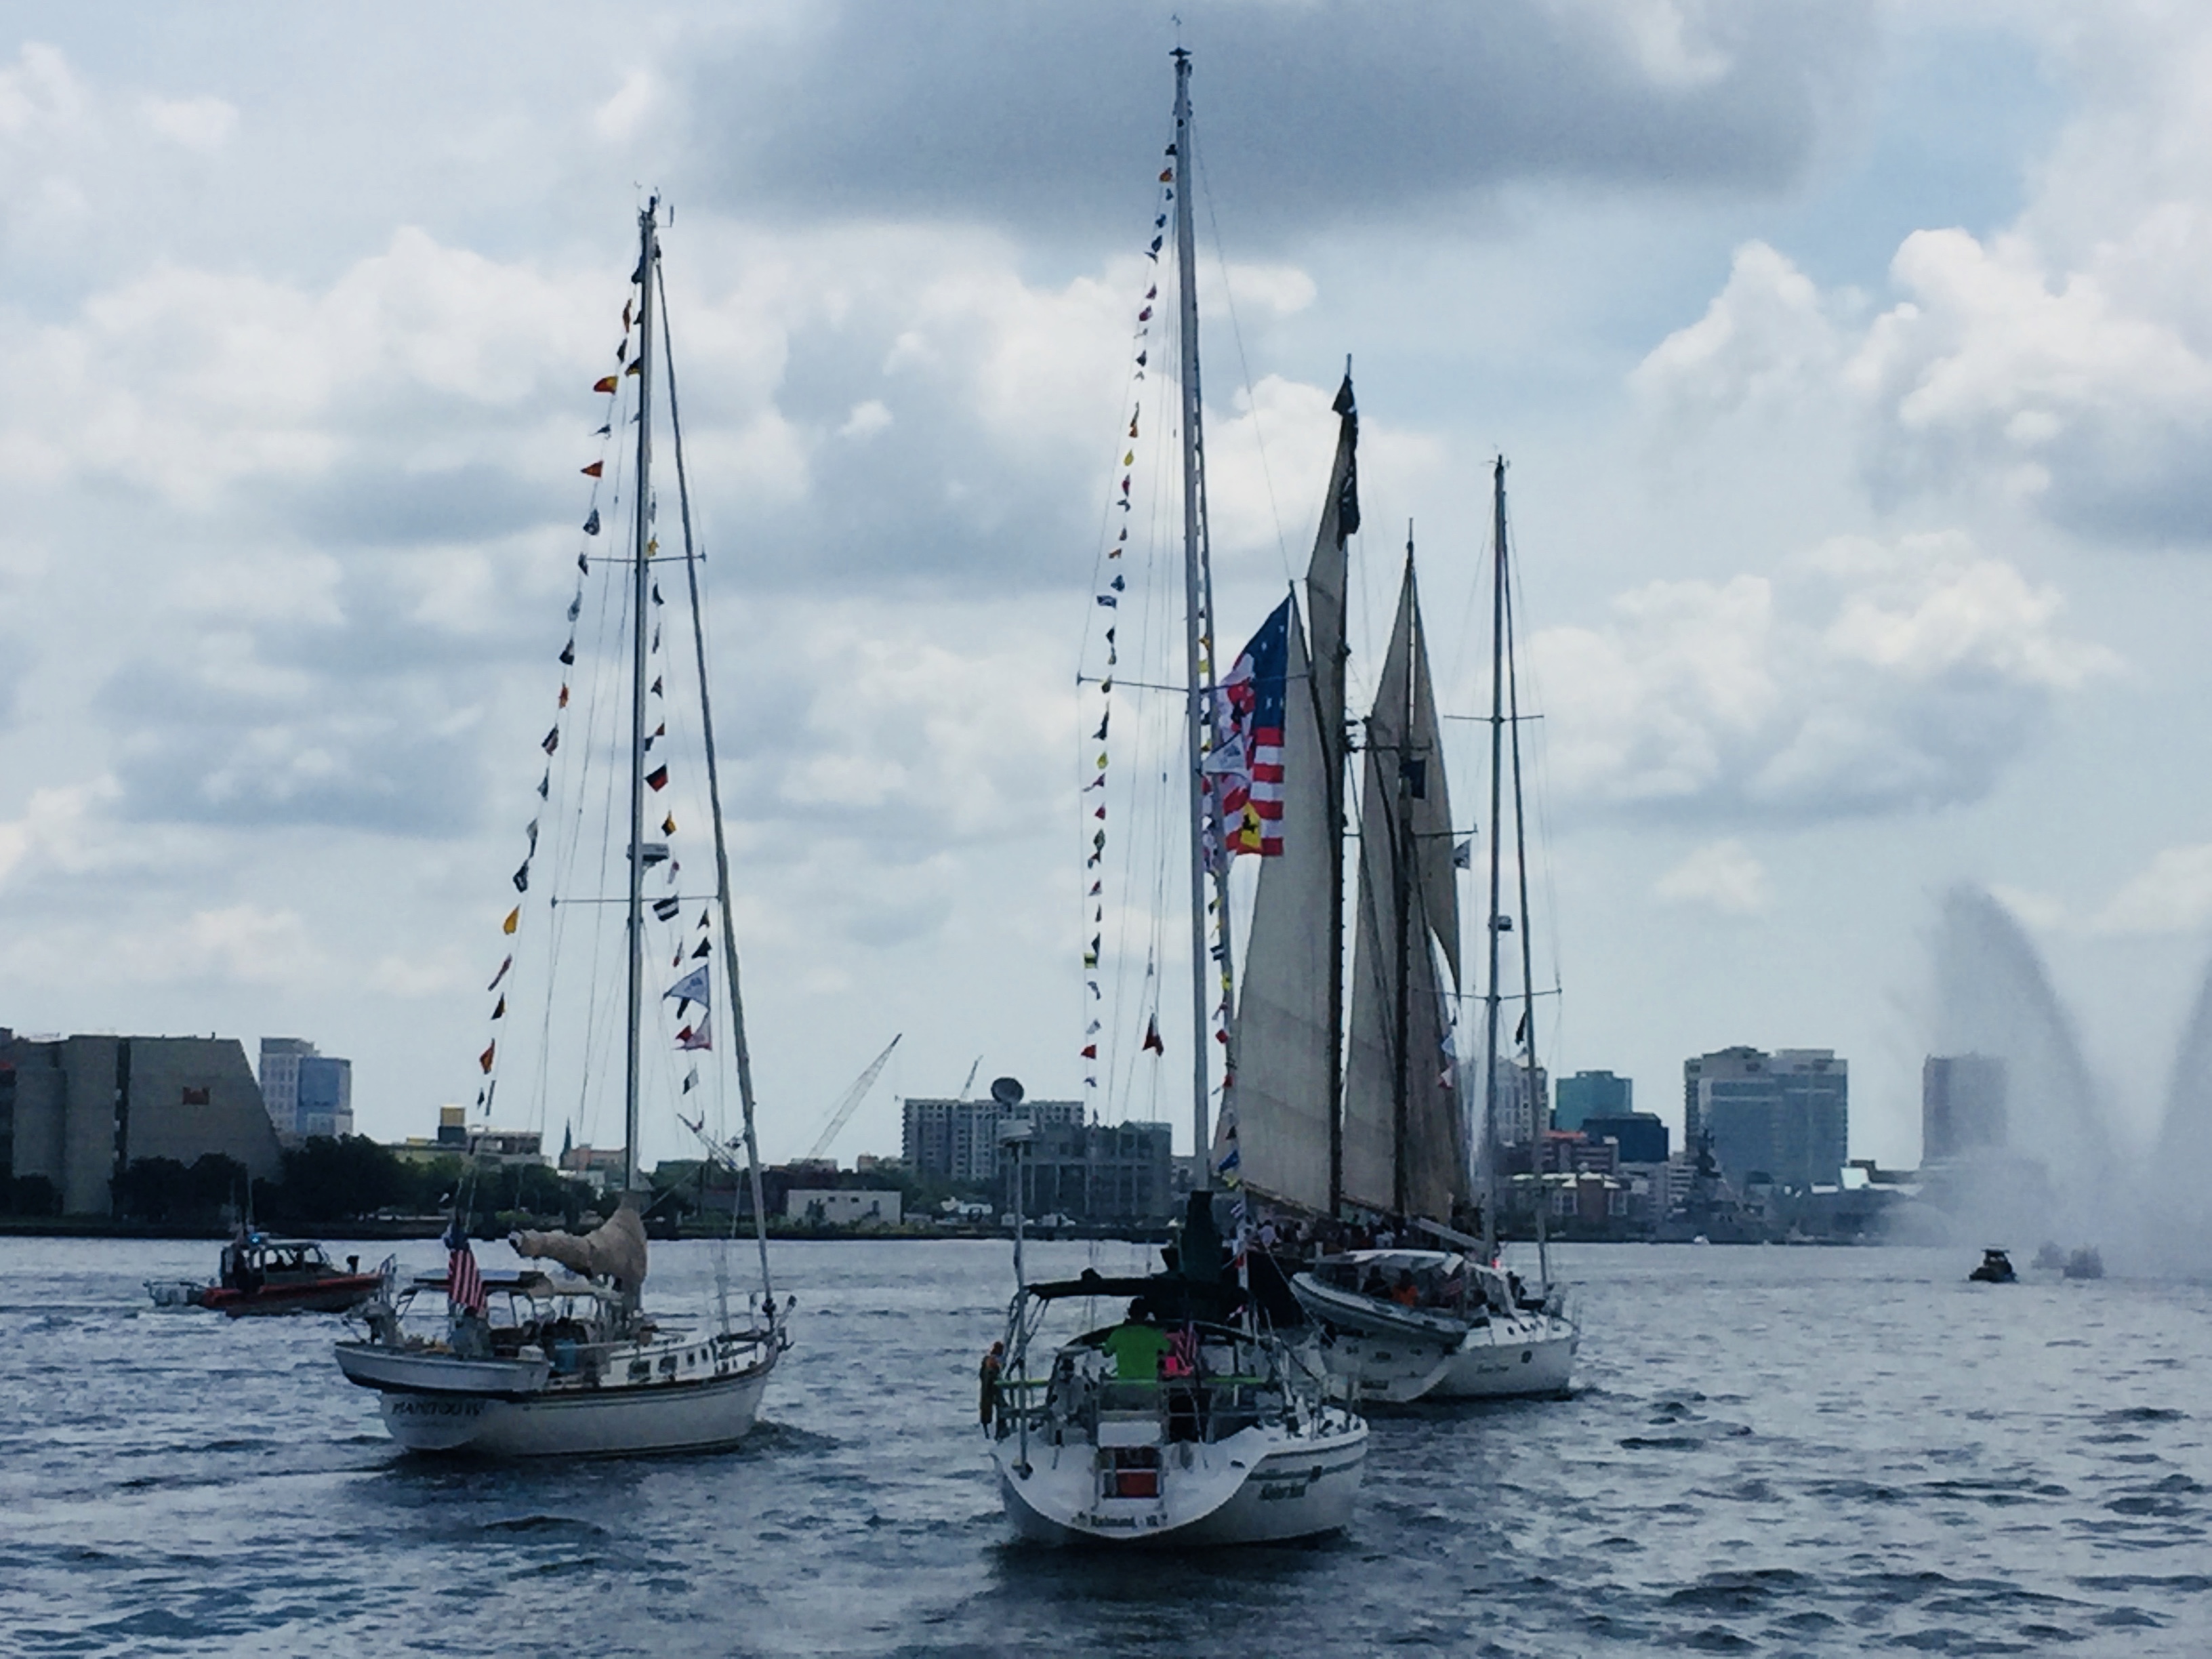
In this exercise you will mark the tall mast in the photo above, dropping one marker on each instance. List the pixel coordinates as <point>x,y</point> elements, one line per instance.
<point>640,591</point>
<point>1197,621</point>
<point>1496,849</point>
<point>1401,904</point>
<point>1536,1117</point>
<point>739,1045</point>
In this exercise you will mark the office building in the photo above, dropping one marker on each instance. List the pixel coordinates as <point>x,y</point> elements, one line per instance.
<point>958,1139</point>
<point>1590,1094</point>
<point>306,1093</point>
<point>1962,1105</point>
<point>80,1110</point>
<point>1102,1174</point>
<point>1523,1103</point>
<point>1642,1135</point>
<point>1784,1116</point>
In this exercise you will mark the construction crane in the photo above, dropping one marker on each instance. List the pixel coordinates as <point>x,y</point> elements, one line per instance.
<point>852,1098</point>
<point>971,1083</point>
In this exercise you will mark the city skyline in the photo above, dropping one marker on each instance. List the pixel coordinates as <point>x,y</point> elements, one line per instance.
<point>1843,356</point>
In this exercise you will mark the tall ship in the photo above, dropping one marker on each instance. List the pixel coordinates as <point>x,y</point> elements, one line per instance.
<point>1378,1123</point>
<point>1191,1420</point>
<point>562,1357</point>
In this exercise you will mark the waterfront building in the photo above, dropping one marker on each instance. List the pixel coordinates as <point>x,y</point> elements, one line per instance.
<point>842,1206</point>
<point>1962,1105</point>
<point>1784,1116</point>
<point>1591,1094</point>
<point>1523,1099</point>
<point>1643,1135</point>
<point>306,1093</point>
<point>958,1139</point>
<point>80,1110</point>
<point>1102,1174</point>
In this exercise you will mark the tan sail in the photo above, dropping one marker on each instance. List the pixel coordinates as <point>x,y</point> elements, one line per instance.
<point>1289,1011</point>
<point>1405,811</point>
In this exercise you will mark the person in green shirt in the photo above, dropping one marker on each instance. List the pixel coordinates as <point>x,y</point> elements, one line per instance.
<point>1136,1349</point>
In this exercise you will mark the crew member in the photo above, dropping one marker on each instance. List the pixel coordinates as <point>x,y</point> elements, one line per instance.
<point>987,1374</point>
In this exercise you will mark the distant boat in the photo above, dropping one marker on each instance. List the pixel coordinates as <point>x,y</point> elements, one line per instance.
<point>2085,1263</point>
<point>529,1363</point>
<point>261,1275</point>
<point>1995,1269</point>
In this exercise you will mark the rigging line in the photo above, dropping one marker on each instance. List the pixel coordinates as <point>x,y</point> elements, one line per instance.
<point>1243,365</point>
<point>1540,766</point>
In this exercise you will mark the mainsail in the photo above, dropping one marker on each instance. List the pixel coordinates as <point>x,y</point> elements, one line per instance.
<point>1402,1142</point>
<point>1290,1010</point>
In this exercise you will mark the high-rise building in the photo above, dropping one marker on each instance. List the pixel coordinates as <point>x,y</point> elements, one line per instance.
<point>1642,1135</point>
<point>1099,1173</point>
<point>1962,1105</point>
<point>307,1093</point>
<point>80,1110</point>
<point>1523,1096</point>
<point>958,1139</point>
<point>1785,1116</point>
<point>1588,1094</point>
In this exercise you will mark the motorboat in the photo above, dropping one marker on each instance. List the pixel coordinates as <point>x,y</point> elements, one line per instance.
<point>1995,1269</point>
<point>2085,1263</point>
<point>1411,1324</point>
<point>263,1275</point>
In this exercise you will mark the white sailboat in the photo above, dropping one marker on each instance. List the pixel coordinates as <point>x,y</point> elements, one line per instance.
<point>536,1363</point>
<point>1188,1421</point>
<point>1407,1324</point>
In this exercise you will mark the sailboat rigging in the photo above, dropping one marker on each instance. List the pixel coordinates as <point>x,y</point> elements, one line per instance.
<point>1190,1420</point>
<point>534,1362</point>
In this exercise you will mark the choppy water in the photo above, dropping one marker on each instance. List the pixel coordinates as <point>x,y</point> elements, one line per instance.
<point>1771,1451</point>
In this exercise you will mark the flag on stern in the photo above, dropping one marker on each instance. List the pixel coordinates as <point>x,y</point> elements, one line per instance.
<point>1246,766</point>
<point>464,1283</point>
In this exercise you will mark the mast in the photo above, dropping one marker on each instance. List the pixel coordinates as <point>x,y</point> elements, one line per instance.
<point>641,590</point>
<point>1496,785</point>
<point>1527,955</point>
<point>742,1048</point>
<point>1401,884</point>
<point>1197,596</point>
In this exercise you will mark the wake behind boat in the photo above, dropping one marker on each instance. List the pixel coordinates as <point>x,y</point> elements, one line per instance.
<point>529,1363</point>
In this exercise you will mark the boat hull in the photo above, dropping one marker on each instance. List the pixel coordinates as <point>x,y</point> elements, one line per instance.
<point>1512,1362</point>
<point>1239,1490</point>
<point>506,1408</point>
<point>337,1295</point>
<point>1396,1356</point>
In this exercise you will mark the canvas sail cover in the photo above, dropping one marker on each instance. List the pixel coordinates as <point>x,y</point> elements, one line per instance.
<point>1288,1019</point>
<point>614,1249</point>
<point>1405,810</point>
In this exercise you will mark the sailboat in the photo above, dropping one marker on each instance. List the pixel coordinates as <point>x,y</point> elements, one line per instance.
<point>560,1357</point>
<point>1405,1323</point>
<point>1190,1420</point>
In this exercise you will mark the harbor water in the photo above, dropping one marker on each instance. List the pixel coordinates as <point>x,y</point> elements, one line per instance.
<point>1769,1450</point>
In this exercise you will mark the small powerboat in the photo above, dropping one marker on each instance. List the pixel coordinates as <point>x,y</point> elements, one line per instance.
<point>264,1275</point>
<point>1995,1269</point>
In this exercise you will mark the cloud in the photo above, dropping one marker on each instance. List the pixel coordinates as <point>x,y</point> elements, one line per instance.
<point>1764,337</point>
<point>196,123</point>
<point>1721,875</point>
<point>2172,893</point>
<point>1864,678</point>
<point>1307,112</point>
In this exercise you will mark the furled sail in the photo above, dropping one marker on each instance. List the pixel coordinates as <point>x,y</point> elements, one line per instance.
<point>614,1249</point>
<point>1406,946</point>
<point>1291,995</point>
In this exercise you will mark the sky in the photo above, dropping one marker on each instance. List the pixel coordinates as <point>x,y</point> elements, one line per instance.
<point>1851,359</point>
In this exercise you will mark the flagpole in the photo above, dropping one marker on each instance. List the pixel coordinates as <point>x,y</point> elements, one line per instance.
<point>741,1047</point>
<point>641,590</point>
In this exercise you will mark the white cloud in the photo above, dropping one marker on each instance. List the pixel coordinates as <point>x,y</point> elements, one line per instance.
<point>196,123</point>
<point>1864,676</point>
<point>1766,333</point>
<point>2172,893</point>
<point>1721,875</point>
<point>622,114</point>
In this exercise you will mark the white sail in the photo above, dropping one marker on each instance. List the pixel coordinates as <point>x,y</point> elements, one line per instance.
<point>1288,1014</point>
<point>1406,809</point>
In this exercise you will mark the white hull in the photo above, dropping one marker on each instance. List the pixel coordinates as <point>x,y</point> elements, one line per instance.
<point>1396,1356</point>
<point>507,1408</point>
<point>1258,1487</point>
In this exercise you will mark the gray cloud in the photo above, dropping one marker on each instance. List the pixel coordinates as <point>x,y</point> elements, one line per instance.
<point>1307,115</point>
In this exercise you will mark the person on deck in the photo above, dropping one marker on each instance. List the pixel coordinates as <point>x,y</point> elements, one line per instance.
<point>1407,1294</point>
<point>1137,1349</point>
<point>987,1374</point>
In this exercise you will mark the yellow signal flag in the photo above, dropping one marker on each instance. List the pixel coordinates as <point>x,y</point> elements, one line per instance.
<point>513,921</point>
<point>668,824</point>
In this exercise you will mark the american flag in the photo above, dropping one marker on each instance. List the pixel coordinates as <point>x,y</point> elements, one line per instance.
<point>1247,762</point>
<point>464,1283</point>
